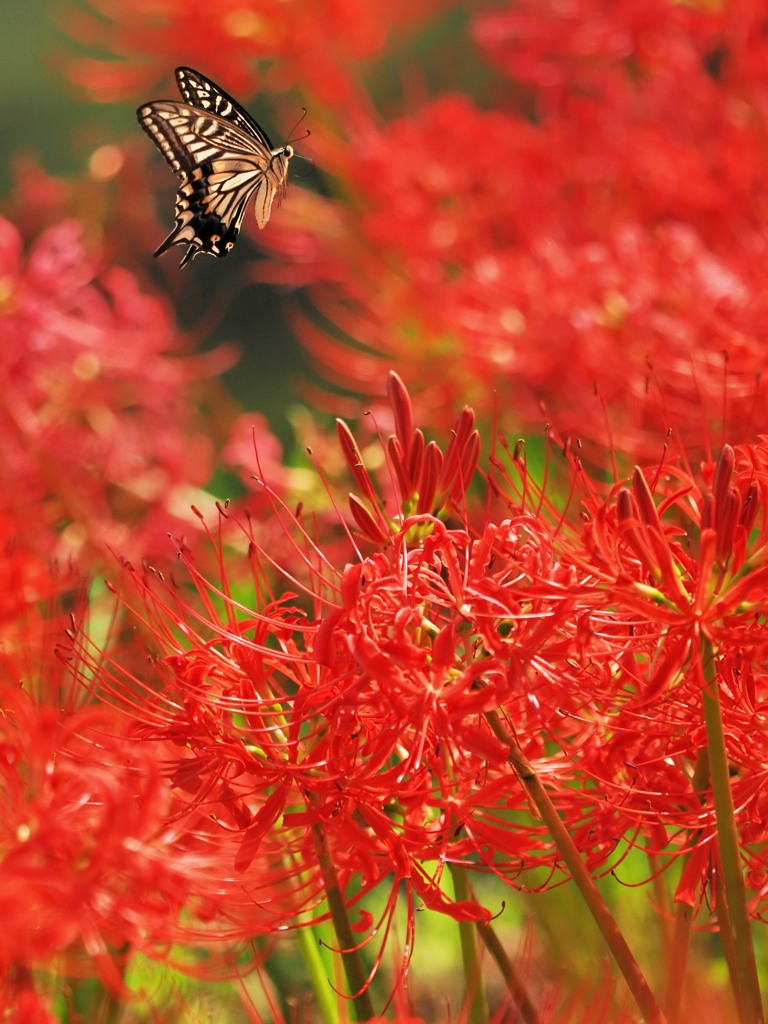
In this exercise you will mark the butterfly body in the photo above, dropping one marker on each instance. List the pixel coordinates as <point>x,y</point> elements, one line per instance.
<point>223,157</point>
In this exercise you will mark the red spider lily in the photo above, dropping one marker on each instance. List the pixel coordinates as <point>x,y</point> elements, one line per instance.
<point>362,721</point>
<point>559,321</point>
<point>102,201</point>
<point>649,90</point>
<point>574,253</point>
<point>93,867</point>
<point>362,718</point>
<point>560,49</point>
<point>81,865</point>
<point>315,45</point>
<point>22,1005</point>
<point>690,557</point>
<point>675,607</point>
<point>98,424</point>
<point>96,866</point>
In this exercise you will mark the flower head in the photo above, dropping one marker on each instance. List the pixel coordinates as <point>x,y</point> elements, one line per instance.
<point>315,45</point>
<point>358,700</point>
<point>565,254</point>
<point>99,430</point>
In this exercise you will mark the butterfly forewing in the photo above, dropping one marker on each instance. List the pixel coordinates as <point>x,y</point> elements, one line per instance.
<point>204,94</point>
<point>222,157</point>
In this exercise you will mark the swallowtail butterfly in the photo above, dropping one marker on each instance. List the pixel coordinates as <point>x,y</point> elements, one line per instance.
<point>223,159</point>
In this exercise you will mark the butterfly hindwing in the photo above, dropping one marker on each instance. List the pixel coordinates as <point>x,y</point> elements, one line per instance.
<point>222,157</point>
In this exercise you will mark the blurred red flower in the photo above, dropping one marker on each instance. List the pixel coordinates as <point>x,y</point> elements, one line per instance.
<point>102,440</point>
<point>613,239</point>
<point>85,842</point>
<point>247,43</point>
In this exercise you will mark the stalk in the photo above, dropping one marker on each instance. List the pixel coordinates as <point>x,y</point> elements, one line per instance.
<point>470,952</point>
<point>597,906</point>
<point>325,1001</point>
<point>357,979</point>
<point>742,965</point>
<point>110,1009</point>
<point>677,955</point>
<point>678,961</point>
<point>521,1005</point>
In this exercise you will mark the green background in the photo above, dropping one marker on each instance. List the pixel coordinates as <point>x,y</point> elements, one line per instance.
<point>45,115</point>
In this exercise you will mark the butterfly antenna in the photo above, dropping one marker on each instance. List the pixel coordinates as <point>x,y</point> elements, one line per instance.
<point>291,138</point>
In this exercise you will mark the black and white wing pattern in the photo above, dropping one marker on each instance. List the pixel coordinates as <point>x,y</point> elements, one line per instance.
<point>223,159</point>
<point>198,91</point>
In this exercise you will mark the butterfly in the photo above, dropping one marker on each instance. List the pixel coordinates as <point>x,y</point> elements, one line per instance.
<point>223,158</point>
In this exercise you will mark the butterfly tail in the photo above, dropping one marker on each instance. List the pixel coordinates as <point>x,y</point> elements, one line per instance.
<point>191,252</point>
<point>172,240</point>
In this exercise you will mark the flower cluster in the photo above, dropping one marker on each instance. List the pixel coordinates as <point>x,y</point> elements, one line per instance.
<point>95,864</point>
<point>399,703</point>
<point>101,438</point>
<point>437,671</point>
<point>612,239</point>
<point>678,564</point>
<point>329,42</point>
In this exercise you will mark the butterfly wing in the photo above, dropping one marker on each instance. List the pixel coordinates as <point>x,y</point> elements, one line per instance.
<point>222,157</point>
<point>199,91</point>
<point>220,166</point>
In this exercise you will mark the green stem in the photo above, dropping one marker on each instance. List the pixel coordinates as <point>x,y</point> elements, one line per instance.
<point>521,1007</point>
<point>660,897</point>
<point>743,969</point>
<point>470,953</point>
<point>357,979</point>
<point>111,1005</point>
<point>325,1001</point>
<point>677,955</point>
<point>725,931</point>
<point>110,1010</point>
<point>677,961</point>
<point>597,906</point>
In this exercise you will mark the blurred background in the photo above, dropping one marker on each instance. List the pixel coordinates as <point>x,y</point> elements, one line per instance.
<point>40,111</point>
<point>47,118</point>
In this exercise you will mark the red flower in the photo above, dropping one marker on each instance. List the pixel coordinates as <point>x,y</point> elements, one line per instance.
<point>568,48</point>
<point>679,577</point>
<point>98,426</point>
<point>97,864</point>
<point>314,45</point>
<point>363,717</point>
<point>23,1005</point>
<point>560,256</point>
<point>365,712</point>
<point>90,858</point>
<point>538,283</point>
